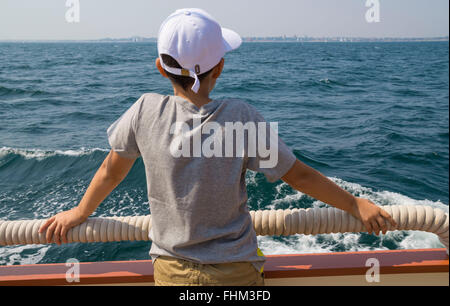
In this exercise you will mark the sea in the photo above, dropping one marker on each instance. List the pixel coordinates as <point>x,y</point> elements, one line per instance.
<point>373,117</point>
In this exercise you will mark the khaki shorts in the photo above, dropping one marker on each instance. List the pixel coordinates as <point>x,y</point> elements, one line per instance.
<point>169,271</point>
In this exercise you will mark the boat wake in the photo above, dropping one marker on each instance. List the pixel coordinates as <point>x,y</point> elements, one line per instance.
<point>349,242</point>
<point>37,183</point>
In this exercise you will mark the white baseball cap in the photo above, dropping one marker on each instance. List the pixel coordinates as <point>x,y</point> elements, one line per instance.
<point>196,41</point>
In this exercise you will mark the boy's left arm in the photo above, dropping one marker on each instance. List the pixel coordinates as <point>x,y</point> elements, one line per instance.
<point>311,182</point>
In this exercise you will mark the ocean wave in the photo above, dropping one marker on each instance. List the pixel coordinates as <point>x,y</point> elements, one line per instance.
<point>407,92</point>
<point>131,200</point>
<point>349,242</point>
<point>22,255</point>
<point>302,244</point>
<point>40,154</point>
<point>323,83</point>
<point>6,92</point>
<point>382,198</point>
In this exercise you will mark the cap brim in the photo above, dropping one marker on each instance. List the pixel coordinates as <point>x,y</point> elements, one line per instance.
<point>232,40</point>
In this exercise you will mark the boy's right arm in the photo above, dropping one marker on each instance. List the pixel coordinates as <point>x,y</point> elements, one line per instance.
<point>311,182</point>
<point>112,171</point>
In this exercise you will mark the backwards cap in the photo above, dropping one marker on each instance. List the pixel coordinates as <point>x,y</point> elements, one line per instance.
<point>196,41</point>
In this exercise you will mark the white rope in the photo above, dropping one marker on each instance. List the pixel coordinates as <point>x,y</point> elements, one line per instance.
<point>309,221</point>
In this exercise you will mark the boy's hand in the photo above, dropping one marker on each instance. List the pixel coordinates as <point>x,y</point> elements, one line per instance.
<point>372,216</point>
<point>112,171</point>
<point>59,224</point>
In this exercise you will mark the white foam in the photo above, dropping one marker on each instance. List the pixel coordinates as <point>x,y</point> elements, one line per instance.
<point>295,244</point>
<point>22,255</point>
<point>250,178</point>
<point>302,244</point>
<point>290,199</point>
<point>350,242</point>
<point>42,154</point>
<point>386,197</point>
<point>420,240</point>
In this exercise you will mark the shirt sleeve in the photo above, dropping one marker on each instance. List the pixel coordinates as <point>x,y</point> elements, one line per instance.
<point>273,157</point>
<point>122,133</point>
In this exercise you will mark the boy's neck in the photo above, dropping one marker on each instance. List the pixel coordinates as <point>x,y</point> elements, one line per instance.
<point>199,99</point>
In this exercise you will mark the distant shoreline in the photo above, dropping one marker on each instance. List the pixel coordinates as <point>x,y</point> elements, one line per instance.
<point>293,39</point>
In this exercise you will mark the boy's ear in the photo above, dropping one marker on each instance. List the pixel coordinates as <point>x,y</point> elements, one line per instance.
<point>218,69</point>
<point>160,68</point>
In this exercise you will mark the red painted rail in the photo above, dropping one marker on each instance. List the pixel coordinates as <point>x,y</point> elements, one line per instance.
<point>277,266</point>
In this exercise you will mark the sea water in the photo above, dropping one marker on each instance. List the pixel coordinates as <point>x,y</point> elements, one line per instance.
<point>373,117</point>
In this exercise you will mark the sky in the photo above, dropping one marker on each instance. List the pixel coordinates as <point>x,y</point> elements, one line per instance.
<point>46,19</point>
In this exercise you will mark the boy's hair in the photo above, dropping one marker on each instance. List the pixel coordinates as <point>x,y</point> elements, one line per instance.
<point>184,81</point>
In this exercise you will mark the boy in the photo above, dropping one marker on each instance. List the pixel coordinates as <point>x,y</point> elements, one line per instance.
<point>201,228</point>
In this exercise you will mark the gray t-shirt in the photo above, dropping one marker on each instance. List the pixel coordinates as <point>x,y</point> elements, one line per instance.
<point>197,194</point>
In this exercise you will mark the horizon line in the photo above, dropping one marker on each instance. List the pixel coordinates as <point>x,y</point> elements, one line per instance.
<point>280,38</point>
